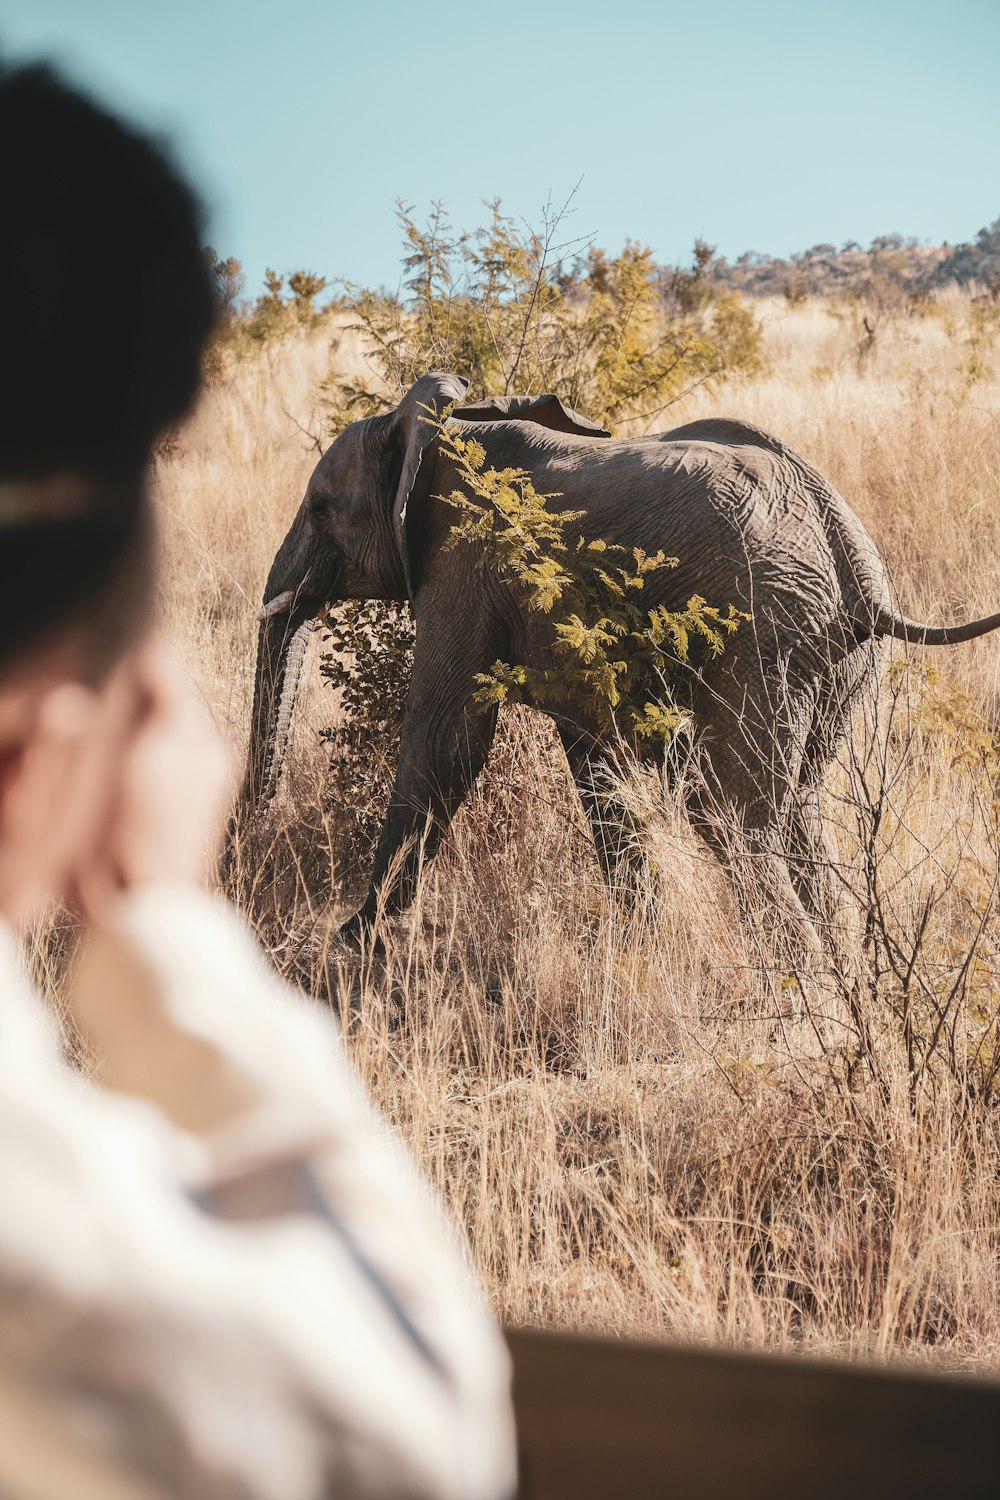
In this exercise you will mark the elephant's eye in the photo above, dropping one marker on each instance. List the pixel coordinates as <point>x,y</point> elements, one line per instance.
<point>319,507</point>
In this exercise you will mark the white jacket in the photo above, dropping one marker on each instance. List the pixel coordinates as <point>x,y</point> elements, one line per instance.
<point>220,1275</point>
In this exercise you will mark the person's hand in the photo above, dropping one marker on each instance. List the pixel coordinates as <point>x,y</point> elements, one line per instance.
<point>53,792</point>
<point>171,783</point>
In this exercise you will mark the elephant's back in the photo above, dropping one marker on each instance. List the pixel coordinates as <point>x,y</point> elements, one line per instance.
<point>748,518</point>
<point>807,522</point>
<point>794,479</point>
<point>728,431</point>
<point>710,487</point>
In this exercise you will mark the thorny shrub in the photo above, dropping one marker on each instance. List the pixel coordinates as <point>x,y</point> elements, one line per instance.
<point>932,956</point>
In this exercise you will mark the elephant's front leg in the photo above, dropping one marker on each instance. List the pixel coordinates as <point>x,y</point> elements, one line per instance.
<point>444,743</point>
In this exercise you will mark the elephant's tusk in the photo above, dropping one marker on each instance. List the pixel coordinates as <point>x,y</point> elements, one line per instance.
<point>279,605</point>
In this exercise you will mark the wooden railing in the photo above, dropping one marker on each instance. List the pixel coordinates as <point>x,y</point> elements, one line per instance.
<point>607,1418</point>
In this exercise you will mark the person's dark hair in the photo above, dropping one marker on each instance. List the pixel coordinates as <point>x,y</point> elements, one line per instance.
<point>107,306</point>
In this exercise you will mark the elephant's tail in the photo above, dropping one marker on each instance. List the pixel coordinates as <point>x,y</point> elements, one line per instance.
<point>888,622</point>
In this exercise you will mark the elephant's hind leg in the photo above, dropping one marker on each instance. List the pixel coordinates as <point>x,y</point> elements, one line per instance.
<point>752,850</point>
<point>617,837</point>
<point>815,868</point>
<point>813,859</point>
<point>741,803</point>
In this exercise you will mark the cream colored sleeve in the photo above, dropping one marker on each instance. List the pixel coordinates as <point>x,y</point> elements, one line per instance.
<point>350,1276</point>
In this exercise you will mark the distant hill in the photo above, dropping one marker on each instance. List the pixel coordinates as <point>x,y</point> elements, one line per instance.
<point>825,269</point>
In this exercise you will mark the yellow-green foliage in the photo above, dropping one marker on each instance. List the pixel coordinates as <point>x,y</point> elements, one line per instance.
<point>285,304</point>
<point>619,337</point>
<point>617,659</point>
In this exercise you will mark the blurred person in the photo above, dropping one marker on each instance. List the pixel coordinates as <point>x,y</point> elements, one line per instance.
<point>220,1276</point>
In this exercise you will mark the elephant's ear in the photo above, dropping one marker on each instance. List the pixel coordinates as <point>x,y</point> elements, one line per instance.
<point>547,411</point>
<point>414,433</point>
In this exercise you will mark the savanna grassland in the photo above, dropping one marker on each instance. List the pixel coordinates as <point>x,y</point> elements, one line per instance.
<point>640,1124</point>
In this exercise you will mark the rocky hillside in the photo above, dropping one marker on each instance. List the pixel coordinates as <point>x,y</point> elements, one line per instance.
<point>823,269</point>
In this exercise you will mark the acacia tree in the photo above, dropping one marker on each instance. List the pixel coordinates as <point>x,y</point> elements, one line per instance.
<point>228,282</point>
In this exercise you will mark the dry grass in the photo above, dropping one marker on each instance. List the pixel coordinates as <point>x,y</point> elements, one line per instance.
<point>629,1115</point>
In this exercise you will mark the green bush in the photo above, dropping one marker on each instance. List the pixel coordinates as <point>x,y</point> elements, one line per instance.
<point>620,338</point>
<point>285,304</point>
<point>366,658</point>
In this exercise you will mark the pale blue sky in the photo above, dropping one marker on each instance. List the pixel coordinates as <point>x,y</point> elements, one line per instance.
<point>770,125</point>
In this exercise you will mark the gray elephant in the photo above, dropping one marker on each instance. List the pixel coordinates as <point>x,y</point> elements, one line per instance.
<point>753,525</point>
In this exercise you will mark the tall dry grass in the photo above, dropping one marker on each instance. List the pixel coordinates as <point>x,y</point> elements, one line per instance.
<point>629,1114</point>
